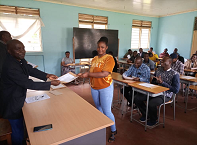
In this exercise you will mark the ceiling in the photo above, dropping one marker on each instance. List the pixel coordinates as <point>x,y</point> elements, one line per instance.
<point>156,8</point>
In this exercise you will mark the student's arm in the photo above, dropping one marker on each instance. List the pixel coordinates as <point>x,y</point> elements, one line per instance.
<point>107,69</point>
<point>175,84</point>
<point>19,78</point>
<point>145,76</point>
<point>128,73</point>
<point>181,69</point>
<point>34,72</point>
<point>152,66</point>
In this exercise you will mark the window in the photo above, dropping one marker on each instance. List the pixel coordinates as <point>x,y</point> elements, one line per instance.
<point>140,37</point>
<point>23,24</point>
<point>91,21</point>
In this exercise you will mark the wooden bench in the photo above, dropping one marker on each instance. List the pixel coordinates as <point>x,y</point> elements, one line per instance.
<point>5,131</point>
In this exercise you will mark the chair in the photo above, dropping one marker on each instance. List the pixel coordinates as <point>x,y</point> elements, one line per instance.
<point>169,102</point>
<point>5,131</point>
<point>194,88</point>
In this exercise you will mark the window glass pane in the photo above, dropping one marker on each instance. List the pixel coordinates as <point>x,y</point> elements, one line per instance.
<point>24,30</point>
<point>32,42</point>
<point>145,38</point>
<point>85,26</point>
<point>135,38</point>
<point>96,26</point>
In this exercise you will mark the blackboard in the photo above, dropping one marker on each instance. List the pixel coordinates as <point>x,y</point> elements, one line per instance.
<point>85,41</point>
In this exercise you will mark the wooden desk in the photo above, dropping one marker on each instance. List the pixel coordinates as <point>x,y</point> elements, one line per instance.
<point>190,70</point>
<point>188,82</point>
<point>117,78</point>
<point>124,63</point>
<point>74,120</point>
<point>153,92</point>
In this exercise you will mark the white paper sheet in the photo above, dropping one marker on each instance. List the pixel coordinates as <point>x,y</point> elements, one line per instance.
<point>67,78</point>
<point>58,87</point>
<point>147,85</point>
<point>33,65</point>
<point>187,77</point>
<point>194,68</point>
<point>55,92</point>
<point>37,98</point>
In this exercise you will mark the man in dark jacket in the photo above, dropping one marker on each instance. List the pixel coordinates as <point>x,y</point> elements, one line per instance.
<point>14,84</point>
<point>4,38</point>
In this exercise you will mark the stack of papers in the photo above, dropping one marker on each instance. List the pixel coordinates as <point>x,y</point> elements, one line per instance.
<point>193,68</point>
<point>37,98</point>
<point>69,77</point>
<point>147,85</point>
<point>187,77</point>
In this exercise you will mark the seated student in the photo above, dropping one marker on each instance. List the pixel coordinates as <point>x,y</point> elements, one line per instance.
<point>116,64</point>
<point>141,53</point>
<point>128,54</point>
<point>177,65</point>
<point>151,50</point>
<point>154,58</point>
<point>14,84</point>
<point>166,77</point>
<point>165,53</point>
<point>191,63</point>
<point>138,70</point>
<point>65,61</point>
<point>176,51</point>
<point>149,62</point>
<point>180,58</point>
<point>132,59</point>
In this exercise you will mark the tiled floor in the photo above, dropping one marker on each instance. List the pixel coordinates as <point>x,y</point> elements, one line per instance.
<point>182,131</point>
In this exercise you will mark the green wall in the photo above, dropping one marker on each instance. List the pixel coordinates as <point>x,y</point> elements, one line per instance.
<point>176,32</point>
<point>57,34</point>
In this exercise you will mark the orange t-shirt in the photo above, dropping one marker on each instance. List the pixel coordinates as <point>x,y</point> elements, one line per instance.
<point>99,64</point>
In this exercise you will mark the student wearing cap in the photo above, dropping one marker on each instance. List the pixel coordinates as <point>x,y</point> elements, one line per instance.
<point>176,64</point>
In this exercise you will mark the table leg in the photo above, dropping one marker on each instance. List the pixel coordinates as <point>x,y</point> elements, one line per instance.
<point>186,99</point>
<point>147,101</point>
<point>123,101</point>
<point>164,100</point>
<point>132,105</point>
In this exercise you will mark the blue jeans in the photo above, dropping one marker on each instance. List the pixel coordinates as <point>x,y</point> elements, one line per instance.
<point>103,101</point>
<point>17,131</point>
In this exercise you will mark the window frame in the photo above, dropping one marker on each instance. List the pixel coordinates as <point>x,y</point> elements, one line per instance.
<point>91,20</point>
<point>24,11</point>
<point>140,27</point>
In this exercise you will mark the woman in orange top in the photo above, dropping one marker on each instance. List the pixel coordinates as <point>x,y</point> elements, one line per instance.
<point>102,83</point>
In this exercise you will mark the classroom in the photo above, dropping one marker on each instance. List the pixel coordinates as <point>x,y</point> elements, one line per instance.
<point>97,72</point>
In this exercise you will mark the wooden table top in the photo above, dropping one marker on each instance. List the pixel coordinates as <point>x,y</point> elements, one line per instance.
<point>194,79</point>
<point>78,64</point>
<point>190,70</point>
<point>193,87</point>
<point>124,62</point>
<point>154,90</point>
<point>118,77</point>
<point>70,115</point>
